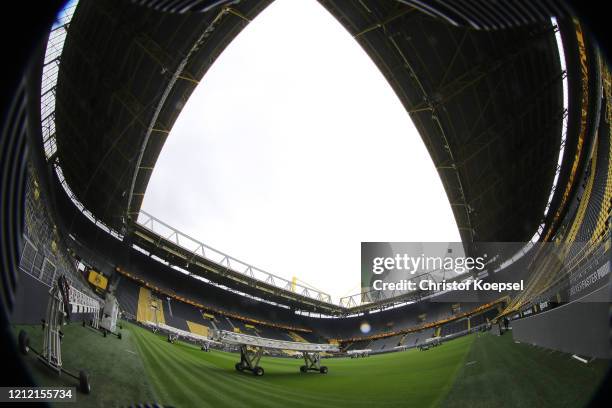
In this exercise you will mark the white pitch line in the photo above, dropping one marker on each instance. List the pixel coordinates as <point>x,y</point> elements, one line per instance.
<point>130,351</point>
<point>580,359</point>
<point>470,363</point>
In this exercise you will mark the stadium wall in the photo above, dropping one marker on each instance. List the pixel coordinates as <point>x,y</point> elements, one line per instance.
<point>29,306</point>
<point>44,257</point>
<point>580,327</point>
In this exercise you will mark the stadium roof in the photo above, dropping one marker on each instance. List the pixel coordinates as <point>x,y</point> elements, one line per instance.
<point>126,73</point>
<point>487,103</point>
<point>478,99</point>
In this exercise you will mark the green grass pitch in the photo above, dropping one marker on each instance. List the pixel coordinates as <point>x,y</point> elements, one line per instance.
<point>476,370</point>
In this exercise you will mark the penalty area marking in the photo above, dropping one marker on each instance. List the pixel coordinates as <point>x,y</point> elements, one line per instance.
<point>580,359</point>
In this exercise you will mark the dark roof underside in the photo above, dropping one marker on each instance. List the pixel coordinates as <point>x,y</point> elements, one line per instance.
<point>488,104</point>
<point>125,74</point>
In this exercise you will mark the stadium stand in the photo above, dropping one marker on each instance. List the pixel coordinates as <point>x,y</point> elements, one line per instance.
<point>45,255</point>
<point>127,295</point>
<point>358,345</point>
<point>455,327</point>
<point>312,337</point>
<point>405,317</point>
<point>414,339</point>
<point>483,318</point>
<point>296,337</point>
<point>385,344</point>
<point>587,229</point>
<point>150,307</point>
<point>44,258</point>
<point>199,329</point>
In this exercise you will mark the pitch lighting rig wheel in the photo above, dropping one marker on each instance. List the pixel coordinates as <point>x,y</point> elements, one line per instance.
<point>251,350</point>
<point>313,363</point>
<point>249,360</point>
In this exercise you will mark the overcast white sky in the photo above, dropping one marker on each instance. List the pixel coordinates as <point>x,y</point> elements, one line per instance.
<point>294,149</point>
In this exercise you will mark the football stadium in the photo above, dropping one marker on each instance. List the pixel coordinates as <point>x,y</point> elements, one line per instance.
<point>105,304</point>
